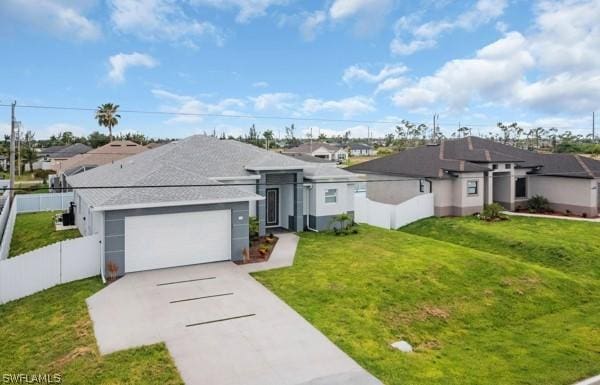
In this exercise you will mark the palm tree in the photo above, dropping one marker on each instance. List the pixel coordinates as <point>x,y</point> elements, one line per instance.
<point>107,116</point>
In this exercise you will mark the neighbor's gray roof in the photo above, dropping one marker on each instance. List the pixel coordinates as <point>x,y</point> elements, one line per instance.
<point>307,148</point>
<point>309,158</point>
<point>467,154</point>
<point>192,161</point>
<point>67,151</point>
<point>360,146</point>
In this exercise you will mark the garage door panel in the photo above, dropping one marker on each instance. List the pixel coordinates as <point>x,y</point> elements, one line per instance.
<point>167,240</point>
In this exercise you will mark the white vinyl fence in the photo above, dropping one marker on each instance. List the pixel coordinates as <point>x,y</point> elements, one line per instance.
<point>30,203</point>
<point>48,266</point>
<point>392,216</point>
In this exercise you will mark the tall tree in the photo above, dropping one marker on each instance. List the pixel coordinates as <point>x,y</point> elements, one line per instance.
<point>107,116</point>
<point>268,135</point>
<point>290,136</point>
<point>97,139</point>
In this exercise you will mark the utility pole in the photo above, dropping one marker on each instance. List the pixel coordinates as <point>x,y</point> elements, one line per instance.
<point>593,126</point>
<point>12,151</point>
<point>311,140</point>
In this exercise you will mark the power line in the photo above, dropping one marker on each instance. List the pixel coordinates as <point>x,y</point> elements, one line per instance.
<point>267,117</point>
<point>355,181</point>
<point>201,114</point>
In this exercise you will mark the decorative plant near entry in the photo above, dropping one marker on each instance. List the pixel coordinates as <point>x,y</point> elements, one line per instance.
<point>113,270</point>
<point>538,204</point>
<point>343,224</point>
<point>493,212</point>
<point>253,226</point>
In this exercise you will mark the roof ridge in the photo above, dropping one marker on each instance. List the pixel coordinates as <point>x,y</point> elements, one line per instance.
<point>442,149</point>
<point>470,143</point>
<point>584,166</point>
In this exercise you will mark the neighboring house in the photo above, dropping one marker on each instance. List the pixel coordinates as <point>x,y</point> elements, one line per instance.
<point>361,149</point>
<point>311,159</point>
<point>108,153</point>
<point>466,174</point>
<point>320,150</point>
<point>50,156</point>
<point>172,205</point>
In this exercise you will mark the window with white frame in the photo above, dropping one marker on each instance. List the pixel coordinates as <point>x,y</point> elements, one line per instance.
<point>331,195</point>
<point>472,187</point>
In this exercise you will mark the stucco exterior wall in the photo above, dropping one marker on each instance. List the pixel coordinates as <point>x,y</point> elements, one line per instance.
<point>578,195</point>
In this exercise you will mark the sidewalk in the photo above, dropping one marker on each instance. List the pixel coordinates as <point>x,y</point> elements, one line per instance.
<point>596,220</point>
<point>282,256</point>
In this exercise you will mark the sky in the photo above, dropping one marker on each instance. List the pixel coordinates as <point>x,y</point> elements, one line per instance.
<point>351,65</point>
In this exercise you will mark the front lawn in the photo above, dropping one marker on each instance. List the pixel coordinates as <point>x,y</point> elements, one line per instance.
<point>51,332</point>
<point>569,246</point>
<point>35,230</point>
<point>473,317</point>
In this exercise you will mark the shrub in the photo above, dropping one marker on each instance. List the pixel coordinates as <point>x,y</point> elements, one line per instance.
<point>492,212</point>
<point>538,204</point>
<point>43,174</point>
<point>253,228</point>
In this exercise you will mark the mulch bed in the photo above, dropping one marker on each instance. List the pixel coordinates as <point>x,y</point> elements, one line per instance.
<point>551,213</point>
<point>255,254</point>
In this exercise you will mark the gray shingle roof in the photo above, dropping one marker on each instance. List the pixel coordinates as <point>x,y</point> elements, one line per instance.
<point>307,148</point>
<point>68,151</point>
<point>466,154</point>
<point>192,161</point>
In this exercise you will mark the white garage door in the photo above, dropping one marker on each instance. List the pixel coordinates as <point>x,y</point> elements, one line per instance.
<point>167,240</point>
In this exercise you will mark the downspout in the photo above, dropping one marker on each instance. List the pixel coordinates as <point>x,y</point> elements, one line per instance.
<point>310,187</point>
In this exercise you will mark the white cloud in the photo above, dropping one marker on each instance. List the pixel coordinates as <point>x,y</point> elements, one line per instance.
<point>348,106</point>
<point>494,72</point>
<point>424,36</point>
<point>247,9</point>
<point>260,84</point>
<point>120,62</point>
<point>560,55</point>
<point>63,19</point>
<point>368,14</point>
<point>391,84</point>
<point>278,100</point>
<point>358,73</point>
<point>184,104</point>
<point>161,20</point>
<point>311,24</point>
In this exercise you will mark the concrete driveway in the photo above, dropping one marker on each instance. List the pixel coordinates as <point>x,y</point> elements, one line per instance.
<point>221,327</point>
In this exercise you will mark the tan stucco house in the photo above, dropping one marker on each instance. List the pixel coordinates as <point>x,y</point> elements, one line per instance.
<point>466,174</point>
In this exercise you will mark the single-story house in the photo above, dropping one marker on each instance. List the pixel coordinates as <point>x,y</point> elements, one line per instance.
<point>320,150</point>
<point>49,156</point>
<point>189,201</point>
<point>466,174</point>
<point>361,149</point>
<point>108,153</point>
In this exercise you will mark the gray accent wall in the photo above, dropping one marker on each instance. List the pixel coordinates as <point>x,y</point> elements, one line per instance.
<point>278,179</point>
<point>114,228</point>
<point>324,222</point>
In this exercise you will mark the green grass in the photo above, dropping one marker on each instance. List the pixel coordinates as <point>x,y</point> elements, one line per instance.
<point>51,332</point>
<point>473,317</point>
<point>35,230</point>
<point>568,246</point>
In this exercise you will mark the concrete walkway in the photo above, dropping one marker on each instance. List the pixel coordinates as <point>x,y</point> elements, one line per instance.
<point>596,220</point>
<point>221,327</point>
<point>282,256</point>
<point>590,381</point>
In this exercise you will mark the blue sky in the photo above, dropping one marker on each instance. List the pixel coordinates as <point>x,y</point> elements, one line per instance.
<point>475,62</point>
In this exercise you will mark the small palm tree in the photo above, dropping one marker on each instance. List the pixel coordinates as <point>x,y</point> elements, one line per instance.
<point>107,116</point>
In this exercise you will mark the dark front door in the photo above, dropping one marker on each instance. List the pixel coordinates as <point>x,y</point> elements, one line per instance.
<point>272,206</point>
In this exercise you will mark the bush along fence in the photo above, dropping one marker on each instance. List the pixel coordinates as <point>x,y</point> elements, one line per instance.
<point>389,216</point>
